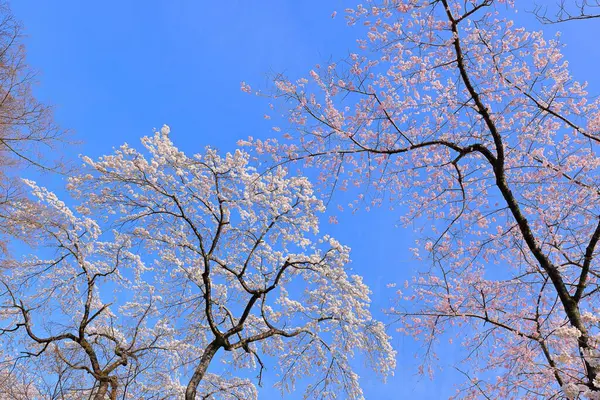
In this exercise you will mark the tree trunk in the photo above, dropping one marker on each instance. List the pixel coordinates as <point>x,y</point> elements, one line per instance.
<point>192,387</point>
<point>114,384</point>
<point>102,391</point>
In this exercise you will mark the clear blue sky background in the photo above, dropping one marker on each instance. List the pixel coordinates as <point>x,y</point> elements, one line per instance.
<point>117,69</point>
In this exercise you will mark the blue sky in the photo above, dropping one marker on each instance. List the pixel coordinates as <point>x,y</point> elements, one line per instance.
<point>117,69</point>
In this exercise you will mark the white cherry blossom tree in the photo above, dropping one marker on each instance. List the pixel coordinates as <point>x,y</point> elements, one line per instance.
<point>207,260</point>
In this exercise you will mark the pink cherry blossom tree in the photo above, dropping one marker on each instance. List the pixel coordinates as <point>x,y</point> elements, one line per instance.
<point>476,125</point>
<point>210,261</point>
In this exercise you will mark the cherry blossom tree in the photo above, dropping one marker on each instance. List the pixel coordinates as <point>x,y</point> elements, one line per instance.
<point>476,125</point>
<point>207,260</point>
